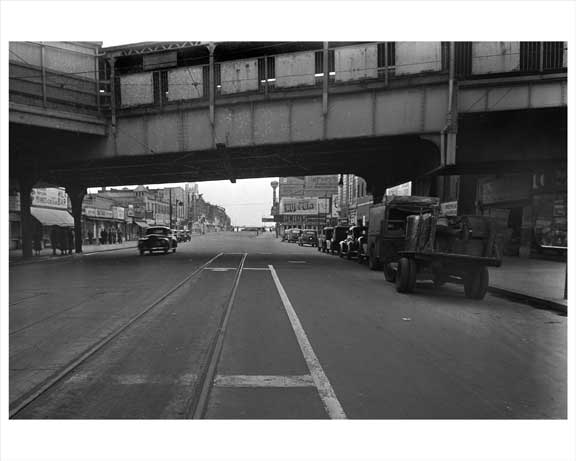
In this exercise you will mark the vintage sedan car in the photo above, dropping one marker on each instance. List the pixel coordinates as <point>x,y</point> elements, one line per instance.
<point>294,235</point>
<point>308,237</point>
<point>158,238</point>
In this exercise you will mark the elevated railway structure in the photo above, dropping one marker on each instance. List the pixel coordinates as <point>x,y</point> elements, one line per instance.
<point>84,116</point>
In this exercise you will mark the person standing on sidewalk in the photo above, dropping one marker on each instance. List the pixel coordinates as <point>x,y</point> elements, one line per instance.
<point>63,239</point>
<point>90,237</point>
<point>54,239</point>
<point>119,236</point>
<point>70,237</point>
<point>38,240</point>
<point>103,236</point>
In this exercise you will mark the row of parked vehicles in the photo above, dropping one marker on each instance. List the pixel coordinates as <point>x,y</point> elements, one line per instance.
<point>409,240</point>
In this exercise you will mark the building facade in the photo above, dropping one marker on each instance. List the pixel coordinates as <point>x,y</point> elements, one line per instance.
<point>306,202</point>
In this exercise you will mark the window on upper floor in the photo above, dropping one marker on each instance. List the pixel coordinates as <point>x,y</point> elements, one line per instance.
<point>386,58</point>
<point>462,58</point>
<point>319,65</point>
<point>160,87</point>
<point>541,56</point>
<point>266,71</point>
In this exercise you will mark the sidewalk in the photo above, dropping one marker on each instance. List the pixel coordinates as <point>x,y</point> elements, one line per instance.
<point>532,281</point>
<point>15,256</point>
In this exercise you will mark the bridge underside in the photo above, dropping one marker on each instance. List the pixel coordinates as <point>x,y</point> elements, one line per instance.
<point>487,143</point>
<point>68,160</point>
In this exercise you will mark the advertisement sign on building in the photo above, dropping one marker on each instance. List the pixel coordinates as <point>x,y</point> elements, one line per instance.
<point>130,212</point>
<point>335,206</point>
<point>324,205</point>
<point>49,197</point>
<point>98,213</point>
<point>449,208</point>
<point>118,212</point>
<point>401,189</point>
<point>298,206</point>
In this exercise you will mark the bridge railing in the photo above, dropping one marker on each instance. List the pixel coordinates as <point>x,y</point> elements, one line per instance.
<point>56,75</point>
<point>384,62</point>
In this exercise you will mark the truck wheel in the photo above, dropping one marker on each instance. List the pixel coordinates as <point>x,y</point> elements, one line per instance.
<point>141,252</point>
<point>389,273</point>
<point>372,262</point>
<point>173,250</point>
<point>406,276</point>
<point>348,255</point>
<point>476,283</point>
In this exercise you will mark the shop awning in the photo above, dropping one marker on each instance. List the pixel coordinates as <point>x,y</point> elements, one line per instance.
<point>142,224</point>
<point>49,217</point>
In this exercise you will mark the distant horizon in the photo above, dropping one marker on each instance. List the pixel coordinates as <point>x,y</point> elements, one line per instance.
<point>256,194</point>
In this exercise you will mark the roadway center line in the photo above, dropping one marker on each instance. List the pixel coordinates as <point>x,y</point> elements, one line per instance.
<point>256,269</point>
<point>263,381</point>
<point>325,390</point>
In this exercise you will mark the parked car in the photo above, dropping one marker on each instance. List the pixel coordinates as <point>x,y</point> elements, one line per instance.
<point>308,237</point>
<point>294,235</point>
<point>286,234</point>
<point>338,235</point>
<point>349,246</point>
<point>324,239</point>
<point>158,238</point>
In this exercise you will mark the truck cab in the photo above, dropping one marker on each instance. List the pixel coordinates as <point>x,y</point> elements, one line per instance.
<point>387,228</point>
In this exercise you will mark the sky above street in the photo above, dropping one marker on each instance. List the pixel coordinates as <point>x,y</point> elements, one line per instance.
<point>246,201</point>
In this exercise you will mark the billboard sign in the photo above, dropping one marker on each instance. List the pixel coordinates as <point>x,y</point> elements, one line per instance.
<point>298,206</point>
<point>50,197</point>
<point>401,189</point>
<point>335,206</point>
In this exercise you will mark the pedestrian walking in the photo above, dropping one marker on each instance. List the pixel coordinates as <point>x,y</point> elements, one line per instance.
<point>63,239</point>
<point>103,236</point>
<point>54,239</point>
<point>70,238</point>
<point>38,240</point>
<point>90,237</point>
<point>110,236</point>
<point>119,236</point>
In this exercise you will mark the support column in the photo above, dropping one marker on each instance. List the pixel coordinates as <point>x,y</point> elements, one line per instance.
<point>76,194</point>
<point>25,185</point>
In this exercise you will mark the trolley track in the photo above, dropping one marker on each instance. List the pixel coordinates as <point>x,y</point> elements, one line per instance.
<point>31,396</point>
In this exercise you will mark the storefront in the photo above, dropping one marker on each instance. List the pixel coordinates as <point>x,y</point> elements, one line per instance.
<point>531,210</point>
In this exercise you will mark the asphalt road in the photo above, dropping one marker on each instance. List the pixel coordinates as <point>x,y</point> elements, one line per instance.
<point>263,329</point>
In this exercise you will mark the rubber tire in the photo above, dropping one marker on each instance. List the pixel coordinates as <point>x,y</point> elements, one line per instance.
<point>166,251</point>
<point>438,281</point>
<point>141,252</point>
<point>406,276</point>
<point>389,273</point>
<point>348,256</point>
<point>173,250</point>
<point>373,265</point>
<point>476,283</point>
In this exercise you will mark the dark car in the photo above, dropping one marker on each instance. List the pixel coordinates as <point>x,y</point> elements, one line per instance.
<point>324,239</point>
<point>338,235</point>
<point>350,246</point>
<point>158,238</point>
<point>294,235</point>
<point>308,237</point>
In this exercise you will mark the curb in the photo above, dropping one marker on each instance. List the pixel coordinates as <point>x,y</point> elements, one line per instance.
<point>33,260</point>
<point>539,303</point>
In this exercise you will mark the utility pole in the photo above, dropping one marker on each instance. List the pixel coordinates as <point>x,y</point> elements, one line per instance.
<point>170,195</point>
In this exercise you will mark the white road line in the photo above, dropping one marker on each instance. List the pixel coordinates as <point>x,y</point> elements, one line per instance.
<point>219,269</point>
<point>256,269</point>
<point>325,390</point>
<point>263,381</point>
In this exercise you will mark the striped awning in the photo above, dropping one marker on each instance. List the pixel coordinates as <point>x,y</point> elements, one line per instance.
<point>51,217</point>
<point>141,224</point>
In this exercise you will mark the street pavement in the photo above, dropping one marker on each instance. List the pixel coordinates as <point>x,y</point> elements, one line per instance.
<point>301,335</point>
